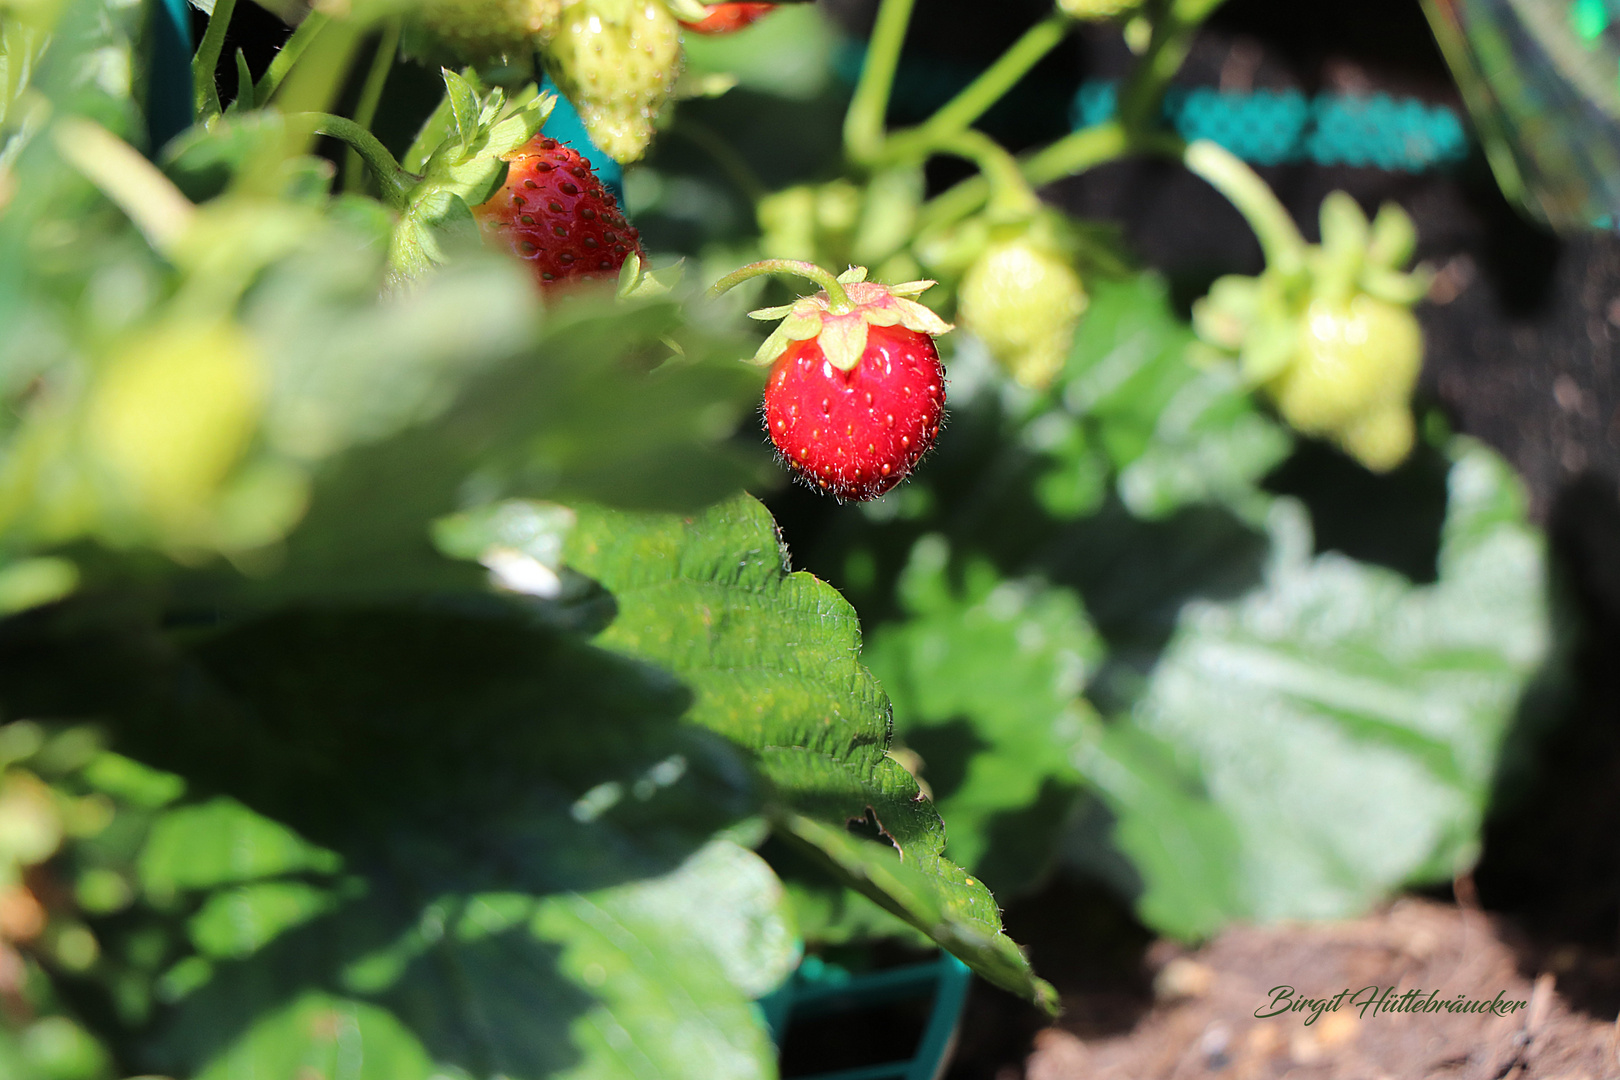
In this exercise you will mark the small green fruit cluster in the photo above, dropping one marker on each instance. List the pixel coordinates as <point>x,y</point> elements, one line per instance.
<point>617,60</point>
<point>1336,345</point>
<point>1019,291</point>
<point>1023,298</point>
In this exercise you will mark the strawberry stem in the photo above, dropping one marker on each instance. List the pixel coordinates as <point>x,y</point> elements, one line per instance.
<point>983,92</point>
<point>205,64</point>
<point>1279,237</point>
<point>863,124</point>
<point>288,55</point>
<point>370,96</point>
<point>1010,194</point>
<point>1172,36</point>
<point>150,199</point>
<point>839,302</point>
<point>394,182</point>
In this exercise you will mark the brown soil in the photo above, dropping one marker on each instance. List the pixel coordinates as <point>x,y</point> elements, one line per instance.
<point>1203,1021</point>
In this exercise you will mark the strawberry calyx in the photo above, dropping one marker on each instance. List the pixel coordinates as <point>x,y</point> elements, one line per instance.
<point>728,18</point>
<point>1330,337</point>
<point>841,321</point>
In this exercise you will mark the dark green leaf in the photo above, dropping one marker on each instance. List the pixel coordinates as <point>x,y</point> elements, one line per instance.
<point>774,660</point>
<point>986,687</point>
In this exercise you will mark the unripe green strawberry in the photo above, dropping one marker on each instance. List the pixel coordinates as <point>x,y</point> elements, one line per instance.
<point>617,61</point>
<point>1381,438</point>
<point>1023,299</point>
<point>475,31</point>
<point>171,414</point>
<point>1352,360</point>
<point>1333,341</point>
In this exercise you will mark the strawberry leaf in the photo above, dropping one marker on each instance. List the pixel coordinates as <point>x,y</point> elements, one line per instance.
<point>1176,433</point>
<point>1333,735</point>
<point>463,172</point>
<point>773,659</point>
<point>986,683</point>
<point>464,108</point>
<point>546,883</point>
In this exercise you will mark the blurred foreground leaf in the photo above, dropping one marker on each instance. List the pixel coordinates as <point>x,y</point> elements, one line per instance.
<point>422,844</point>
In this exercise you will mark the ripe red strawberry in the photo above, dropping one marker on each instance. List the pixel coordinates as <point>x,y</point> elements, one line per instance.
<point>728,18</point>
<point>855,398</point>
<point>554,212</point>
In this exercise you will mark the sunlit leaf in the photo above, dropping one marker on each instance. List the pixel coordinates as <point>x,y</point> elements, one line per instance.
<point>773,658</point>
<point>1337,729</point>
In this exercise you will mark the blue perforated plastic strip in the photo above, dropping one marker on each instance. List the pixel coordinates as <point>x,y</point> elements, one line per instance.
<point>1279,127</point>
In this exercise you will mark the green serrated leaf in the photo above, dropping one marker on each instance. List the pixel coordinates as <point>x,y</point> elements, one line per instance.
<point>986,686</point>
<point>537,880</point>
<point>222,842</point>
<point>773,659</point>
<point>1341,724</point>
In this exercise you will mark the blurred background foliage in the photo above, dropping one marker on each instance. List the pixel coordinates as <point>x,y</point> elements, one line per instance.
<point>398,682</point>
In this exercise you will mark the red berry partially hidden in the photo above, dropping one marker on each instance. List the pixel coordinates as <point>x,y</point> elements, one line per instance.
<point>728,18</point>
<point>555,213</point>
<point>855,399</point>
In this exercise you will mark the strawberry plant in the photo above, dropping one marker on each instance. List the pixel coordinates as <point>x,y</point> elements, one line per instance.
<point>401,675</point>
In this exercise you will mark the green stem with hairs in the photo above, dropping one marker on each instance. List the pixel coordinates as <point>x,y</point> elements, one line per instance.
<point>370,97</point>
<point>838,301</point>
<point>863,124</point>
<point>1279,237</point>
<point>991,85</point>
<point>394,182</point>
<point>288,55</point>
<point>205,64</point>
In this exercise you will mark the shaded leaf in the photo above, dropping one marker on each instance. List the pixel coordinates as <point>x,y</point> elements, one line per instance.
<point>773,658</point>
<point>1177,433</point>
<point>1005,662</point>
<point>1340,725</point>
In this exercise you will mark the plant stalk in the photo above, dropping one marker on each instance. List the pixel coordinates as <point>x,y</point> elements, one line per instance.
<point>982,93</point>
<point>1074,153</point>
<point>1279,237</point>
<point>1172,36</point>
<point>283,61</point>
<point>365,110</point>
<point>863,124</point>
<point>838,300</point>
<point>1007,190</point>
<point>205,64</point>
<point>394,182</point>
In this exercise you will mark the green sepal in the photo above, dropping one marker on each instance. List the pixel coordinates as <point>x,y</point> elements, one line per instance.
<point>1393,239</point>
<point>638,282</point>
<point>798,326</point>
<point>465,170</point>
<point>1396,287</point>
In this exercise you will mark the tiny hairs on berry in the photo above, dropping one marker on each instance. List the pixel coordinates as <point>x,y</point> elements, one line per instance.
<point>855,397</point>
